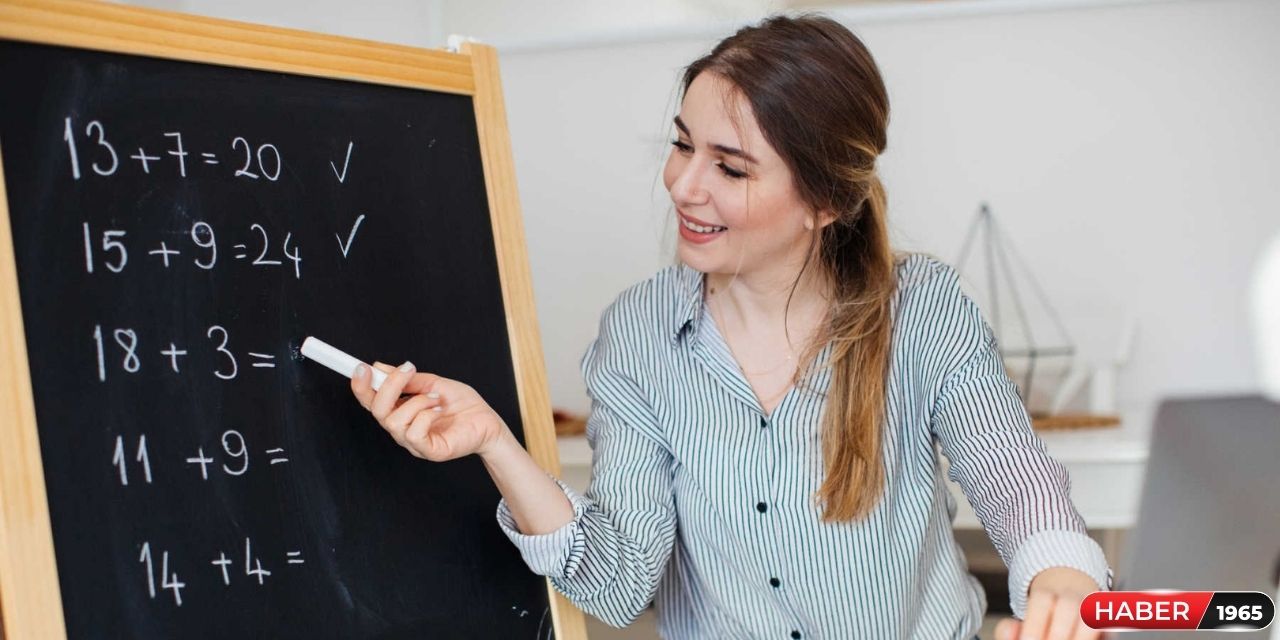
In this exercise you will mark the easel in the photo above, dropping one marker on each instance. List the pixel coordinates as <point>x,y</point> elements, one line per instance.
<point>30,601</point>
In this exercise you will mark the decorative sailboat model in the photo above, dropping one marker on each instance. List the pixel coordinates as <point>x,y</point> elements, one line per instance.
<point>1038,352</point>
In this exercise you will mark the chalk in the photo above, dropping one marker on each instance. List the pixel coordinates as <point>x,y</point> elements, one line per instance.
<point>337,360</point>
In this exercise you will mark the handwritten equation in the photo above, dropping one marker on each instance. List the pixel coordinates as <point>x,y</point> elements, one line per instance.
<point>124,353</point>
<point>233,460</point>
<point>255,161</point>
<point>165,576</point>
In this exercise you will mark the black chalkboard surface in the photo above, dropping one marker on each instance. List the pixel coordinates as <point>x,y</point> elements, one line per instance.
<point>178,228</point>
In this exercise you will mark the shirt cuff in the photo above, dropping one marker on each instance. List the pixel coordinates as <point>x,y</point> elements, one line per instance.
<point>1054,549</point>
<point>546,554</point>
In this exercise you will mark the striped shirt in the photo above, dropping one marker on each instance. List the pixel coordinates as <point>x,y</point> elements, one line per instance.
<point>703,505</point>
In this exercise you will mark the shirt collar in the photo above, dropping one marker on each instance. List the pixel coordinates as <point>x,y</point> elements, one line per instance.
<point>687,310</point>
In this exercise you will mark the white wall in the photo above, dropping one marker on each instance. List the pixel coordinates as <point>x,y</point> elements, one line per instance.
<point>412,22</point>
<point>522,24</point>
<point>1129,150</point>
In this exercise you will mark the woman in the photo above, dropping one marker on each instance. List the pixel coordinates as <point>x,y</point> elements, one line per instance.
<point>764,413</point>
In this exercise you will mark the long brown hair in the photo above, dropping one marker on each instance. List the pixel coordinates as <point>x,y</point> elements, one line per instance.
<point>820,102</point>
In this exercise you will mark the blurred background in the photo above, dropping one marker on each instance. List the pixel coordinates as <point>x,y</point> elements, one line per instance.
<point>1127,148</point>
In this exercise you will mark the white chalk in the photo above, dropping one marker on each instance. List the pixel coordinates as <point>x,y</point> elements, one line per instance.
<point>338,360</point>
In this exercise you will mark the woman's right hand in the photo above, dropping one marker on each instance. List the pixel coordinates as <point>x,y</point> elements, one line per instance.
<point>437,418</point>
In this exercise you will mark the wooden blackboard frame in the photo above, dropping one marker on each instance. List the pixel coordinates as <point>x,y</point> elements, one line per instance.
<point>30,600</point>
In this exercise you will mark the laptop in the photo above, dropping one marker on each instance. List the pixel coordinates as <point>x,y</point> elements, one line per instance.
<point>1209,519</point>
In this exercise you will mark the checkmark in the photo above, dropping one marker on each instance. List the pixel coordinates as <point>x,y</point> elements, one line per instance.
<point>342,177</point>
<point>351,237</point>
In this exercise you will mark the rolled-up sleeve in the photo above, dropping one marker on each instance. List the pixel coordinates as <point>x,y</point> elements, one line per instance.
<point>547,554</point>
<point>609,558</point>
<point>1020,493</point>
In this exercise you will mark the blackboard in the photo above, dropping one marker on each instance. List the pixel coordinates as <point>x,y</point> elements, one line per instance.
<point>177,229</point>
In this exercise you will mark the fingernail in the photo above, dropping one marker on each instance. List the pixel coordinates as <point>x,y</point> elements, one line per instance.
<point>407,366</point>
<point>433,395</point>
<point>437,408</point>
<point>361,370</point>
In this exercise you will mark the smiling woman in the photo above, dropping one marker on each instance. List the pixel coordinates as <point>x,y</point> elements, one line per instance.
<point>818,226</point>
<point>765,413</point>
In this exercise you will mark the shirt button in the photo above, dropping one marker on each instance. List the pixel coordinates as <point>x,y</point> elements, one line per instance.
<point>775,583</point>
<point>762,507</point>
<point>795,634</point>
<point>764,423</point>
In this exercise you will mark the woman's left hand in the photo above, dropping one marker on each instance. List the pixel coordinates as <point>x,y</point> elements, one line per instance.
<point>1053,608</point>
